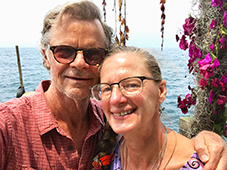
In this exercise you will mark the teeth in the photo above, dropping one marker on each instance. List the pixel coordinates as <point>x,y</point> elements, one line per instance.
<point>123,113</point>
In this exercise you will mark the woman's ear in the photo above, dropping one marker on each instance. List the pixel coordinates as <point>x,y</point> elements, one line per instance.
<point>162,91</point>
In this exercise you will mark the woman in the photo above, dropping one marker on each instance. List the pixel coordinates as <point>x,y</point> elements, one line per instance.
<point>131,92</point>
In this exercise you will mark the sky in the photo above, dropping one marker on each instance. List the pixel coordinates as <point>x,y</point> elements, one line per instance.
<point>21,21</point>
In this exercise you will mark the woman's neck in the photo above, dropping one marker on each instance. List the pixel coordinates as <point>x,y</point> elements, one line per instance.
<point>142,152</point>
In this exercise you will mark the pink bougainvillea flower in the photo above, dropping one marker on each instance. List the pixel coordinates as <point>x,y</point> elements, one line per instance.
<point>223,79</point>
<point>190,100</point>
<point>186,103</point>
<point>190,66</point>
<point>217,3</point>
<point>192,40</point>
<point>215,82</point>
<point>221,99</point>
<point>225,19</point>
<point>222,86</point>
<point>182,104</point>
<point>222,42</point>
<point>183,43</point>
<point>213,24</point>
<point>216,63</point>
<point>215,111</point>
<point>206,70</point>
<point>189,25</point>
<point>212,47</point>
<point>202,83</point>
<point>206,60</point>
<point>205,66</point>
<point>211,96</point>
<point>194,53</point>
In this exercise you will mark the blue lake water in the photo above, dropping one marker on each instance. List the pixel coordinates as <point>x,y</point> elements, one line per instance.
<point>173,63</point>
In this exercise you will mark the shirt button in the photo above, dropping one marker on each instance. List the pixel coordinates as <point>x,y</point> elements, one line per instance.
<point>70,147</point>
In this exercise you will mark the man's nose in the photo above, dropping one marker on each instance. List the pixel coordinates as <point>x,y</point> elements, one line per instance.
<point>79,61</point>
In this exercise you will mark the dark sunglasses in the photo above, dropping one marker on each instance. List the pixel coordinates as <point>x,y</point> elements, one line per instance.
<point>66,54</point>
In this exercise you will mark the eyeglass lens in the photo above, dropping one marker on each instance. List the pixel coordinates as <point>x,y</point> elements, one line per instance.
<point>67,54</point>
<point>129,87</point>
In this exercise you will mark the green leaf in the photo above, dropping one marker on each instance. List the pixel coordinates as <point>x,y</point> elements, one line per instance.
<point>217,48</point>
<point>218,126</point>
<point>224,31</point>
<point>212,56</point>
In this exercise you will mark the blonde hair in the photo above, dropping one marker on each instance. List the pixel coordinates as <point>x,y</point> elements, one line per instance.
<point>148,59</point>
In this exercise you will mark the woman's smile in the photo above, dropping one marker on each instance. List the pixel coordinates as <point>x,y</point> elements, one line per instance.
<point>124,113</point>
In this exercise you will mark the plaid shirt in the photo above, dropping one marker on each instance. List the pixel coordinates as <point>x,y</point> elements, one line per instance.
<point>30,137</point>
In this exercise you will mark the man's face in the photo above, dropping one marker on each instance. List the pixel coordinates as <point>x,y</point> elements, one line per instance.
<point>74,79</point>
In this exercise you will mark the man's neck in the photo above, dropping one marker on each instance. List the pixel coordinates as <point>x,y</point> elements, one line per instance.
<point>71,115</point>
<point>64,108</point>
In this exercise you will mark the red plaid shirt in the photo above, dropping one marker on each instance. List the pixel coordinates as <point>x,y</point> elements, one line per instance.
<point>30,137</point>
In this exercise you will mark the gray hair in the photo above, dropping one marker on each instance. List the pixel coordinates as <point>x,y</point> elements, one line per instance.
<point>148,59</point>
<point>80,10</point>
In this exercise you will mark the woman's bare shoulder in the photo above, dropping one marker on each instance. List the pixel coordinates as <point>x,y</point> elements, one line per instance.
<point>179,151</point>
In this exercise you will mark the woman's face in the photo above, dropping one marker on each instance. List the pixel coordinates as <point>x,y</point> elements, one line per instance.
<point>131,114</point>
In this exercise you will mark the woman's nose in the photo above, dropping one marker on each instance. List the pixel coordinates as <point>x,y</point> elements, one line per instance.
<point>117,97</point>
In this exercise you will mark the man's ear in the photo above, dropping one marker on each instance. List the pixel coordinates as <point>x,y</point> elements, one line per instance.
<point>46,58</point>
<point>162,91</point>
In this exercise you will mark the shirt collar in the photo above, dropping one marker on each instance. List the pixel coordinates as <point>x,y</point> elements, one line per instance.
<point>46,121</point>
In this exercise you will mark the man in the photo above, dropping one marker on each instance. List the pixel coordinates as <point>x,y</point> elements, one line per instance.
<point>59,126</point>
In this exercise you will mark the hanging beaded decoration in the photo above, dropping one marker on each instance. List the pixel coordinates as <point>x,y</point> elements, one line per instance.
<point>121,29</point>
<point>104,9</point>
<point>163,17</point>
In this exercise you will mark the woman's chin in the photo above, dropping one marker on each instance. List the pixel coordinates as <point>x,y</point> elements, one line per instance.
<point>121,128</point>
<point>122,124</point>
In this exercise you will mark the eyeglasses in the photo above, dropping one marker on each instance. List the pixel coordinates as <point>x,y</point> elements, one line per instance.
<point>66,54</point>
<point>130,86</point>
